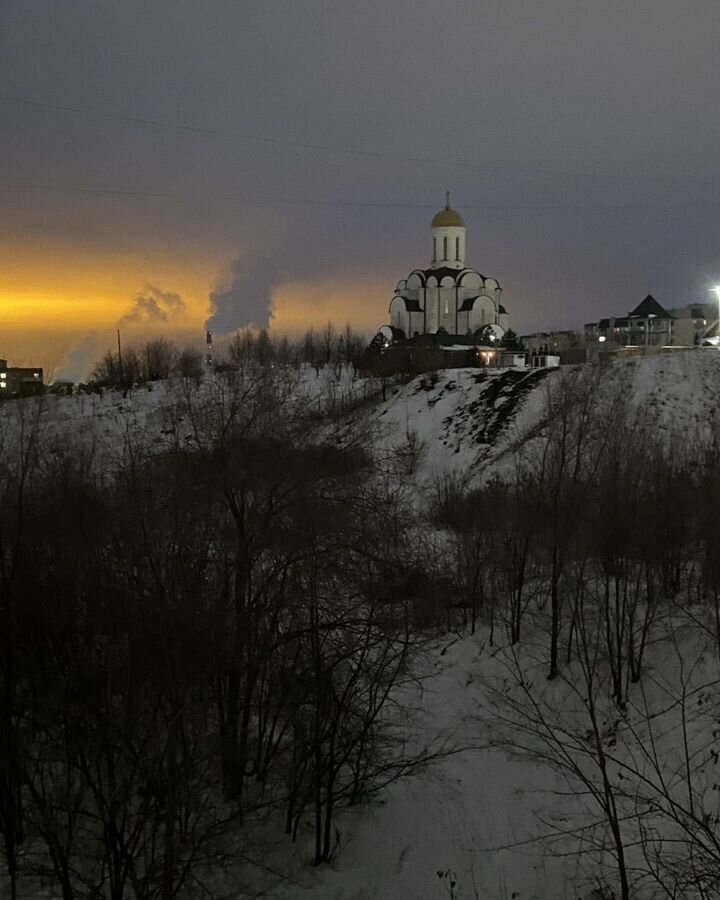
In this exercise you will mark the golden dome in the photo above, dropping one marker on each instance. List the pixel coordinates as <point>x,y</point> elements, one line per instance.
<point>447,218</point>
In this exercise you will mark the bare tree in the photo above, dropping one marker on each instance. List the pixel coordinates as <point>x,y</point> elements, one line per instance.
<point>189,363</point>
<point>120,371</point>
<point>328,343</point>
<point>159,358</point>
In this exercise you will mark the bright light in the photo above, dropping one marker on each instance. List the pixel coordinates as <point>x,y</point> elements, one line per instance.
<point>716,291</point>
<point>602,339</point>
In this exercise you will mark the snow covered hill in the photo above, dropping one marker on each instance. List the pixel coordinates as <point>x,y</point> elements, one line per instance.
<point>491,819</point>
<point>495,820</point>
<point>470,422</point>
<point>465,421</point>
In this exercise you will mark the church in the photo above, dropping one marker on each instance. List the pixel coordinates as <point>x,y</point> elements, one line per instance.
<point>448,299</point>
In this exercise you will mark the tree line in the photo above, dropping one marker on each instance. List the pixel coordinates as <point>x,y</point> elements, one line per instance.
<point>198,642</point>
<point>592,565</point>
<point>160,358</point>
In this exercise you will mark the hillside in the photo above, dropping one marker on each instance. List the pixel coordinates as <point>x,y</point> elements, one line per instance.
<point>510,802</point>
<point>470,422</point>
<point>466,420</point>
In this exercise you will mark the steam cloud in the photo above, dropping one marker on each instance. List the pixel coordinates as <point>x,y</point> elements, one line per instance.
<point>151,309</point>
<point>298,250</point>
<point>155,307</point>
<point>79,361</point>
<point>245,297</point>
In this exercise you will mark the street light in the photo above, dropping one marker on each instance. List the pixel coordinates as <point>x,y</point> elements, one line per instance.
<point>716,291</point>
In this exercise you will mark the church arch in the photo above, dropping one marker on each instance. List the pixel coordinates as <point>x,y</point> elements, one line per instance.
<point>471,280</point>
<point>483,313</point>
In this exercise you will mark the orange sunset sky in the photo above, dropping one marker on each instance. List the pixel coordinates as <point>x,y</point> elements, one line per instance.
<point>54,297</point>
<point>287,159</point>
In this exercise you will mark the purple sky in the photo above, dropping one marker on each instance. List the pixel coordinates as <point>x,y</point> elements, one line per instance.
<point>580,141</point>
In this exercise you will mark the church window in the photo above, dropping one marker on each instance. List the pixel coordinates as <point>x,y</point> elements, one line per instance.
<point>457,248</point>
<point>445,256</point>
<point>434,249</point>
<point>447,307</point>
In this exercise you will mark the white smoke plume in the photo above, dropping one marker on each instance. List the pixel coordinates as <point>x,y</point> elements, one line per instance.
<point>152,310</point>
<point>78,362</point>
<point>244,297</point>
<point>154,307</point>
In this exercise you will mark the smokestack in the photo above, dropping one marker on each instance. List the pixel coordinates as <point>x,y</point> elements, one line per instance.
<point>208,352</point>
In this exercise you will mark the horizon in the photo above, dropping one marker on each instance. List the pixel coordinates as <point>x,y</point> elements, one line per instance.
<point>285,162</point>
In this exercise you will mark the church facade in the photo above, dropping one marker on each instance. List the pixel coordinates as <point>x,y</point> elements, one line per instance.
<point>448,297</point>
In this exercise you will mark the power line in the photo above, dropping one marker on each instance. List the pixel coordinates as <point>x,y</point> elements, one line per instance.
<point>173,195</point>
<point>360,204</point>
<point>325,148</point>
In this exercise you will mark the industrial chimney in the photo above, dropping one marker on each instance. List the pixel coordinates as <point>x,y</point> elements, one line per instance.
<point>209,352</point>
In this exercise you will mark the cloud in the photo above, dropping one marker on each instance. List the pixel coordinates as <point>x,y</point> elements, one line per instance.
<point>307,254</point>
<point>80,359</point>
<point>245,296</point>
<point>154,307</point>
<point>151,311</point>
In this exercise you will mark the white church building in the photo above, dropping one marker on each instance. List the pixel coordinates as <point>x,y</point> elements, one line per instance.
<point>448,297</point>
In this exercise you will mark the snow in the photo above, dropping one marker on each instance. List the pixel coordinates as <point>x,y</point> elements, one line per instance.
<point>474,817</point>
<point>468,422</point>
<point>452,816</point>
<point>151,416</point>
<point>470,433</point>
<point>502,824</point>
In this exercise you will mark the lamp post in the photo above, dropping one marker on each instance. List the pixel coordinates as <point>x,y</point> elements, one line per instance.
<point>716,291</point>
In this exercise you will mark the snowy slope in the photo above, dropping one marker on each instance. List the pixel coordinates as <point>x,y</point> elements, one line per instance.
<point>447,822</point>
<point>151,416</point>
<point>469,422</point>
<point>501,825</point>
<point>460,416</point>
<point>475,816</point>
<point>465,420</point>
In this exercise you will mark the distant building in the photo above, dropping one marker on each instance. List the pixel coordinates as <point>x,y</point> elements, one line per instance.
<point>650,326</point>
<point>704,317</point>
<point>427,352</point>
<point>553,342</point>
<point>19,381</point>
